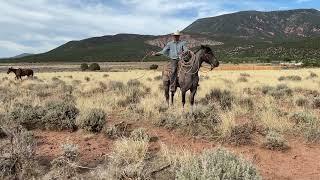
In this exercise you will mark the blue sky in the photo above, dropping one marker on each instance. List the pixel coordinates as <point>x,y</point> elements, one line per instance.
<point>37,26</point>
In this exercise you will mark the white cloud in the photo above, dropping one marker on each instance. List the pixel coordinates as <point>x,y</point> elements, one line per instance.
<point>36,26</point>
<point>56,22</point>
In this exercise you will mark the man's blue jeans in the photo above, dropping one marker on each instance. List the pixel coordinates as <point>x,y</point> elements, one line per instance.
<point>173,77</point>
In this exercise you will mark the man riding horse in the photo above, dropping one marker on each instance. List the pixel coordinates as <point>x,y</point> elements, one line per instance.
<point>184,68</point>
<point>173,50</point>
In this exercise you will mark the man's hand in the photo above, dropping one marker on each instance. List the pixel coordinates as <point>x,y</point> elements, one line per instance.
<point>153,53</point>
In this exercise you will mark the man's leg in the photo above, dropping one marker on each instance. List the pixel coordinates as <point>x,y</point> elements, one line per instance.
<point>173,78</point>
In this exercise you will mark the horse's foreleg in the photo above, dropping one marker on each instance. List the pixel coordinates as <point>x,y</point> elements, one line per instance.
<point>172,97</point>
<point>166,86</point>
<point>193,92</point>
<point>183,93</point>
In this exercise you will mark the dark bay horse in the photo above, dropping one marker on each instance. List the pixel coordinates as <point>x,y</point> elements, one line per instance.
<point>188,77</point>
<point>20,72</point>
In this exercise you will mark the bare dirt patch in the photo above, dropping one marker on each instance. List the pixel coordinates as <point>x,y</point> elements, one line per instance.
<point>92,147</point>
<point>301,161</point>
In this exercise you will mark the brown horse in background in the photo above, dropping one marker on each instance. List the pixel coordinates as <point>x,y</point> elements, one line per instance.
<point>20,72</point>
<point>188,77</point>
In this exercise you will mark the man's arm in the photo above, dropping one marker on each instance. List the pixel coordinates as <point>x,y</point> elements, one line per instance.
<point>164,51</point>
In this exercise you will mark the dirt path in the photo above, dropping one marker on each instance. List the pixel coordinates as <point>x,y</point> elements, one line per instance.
<point>302,161</point>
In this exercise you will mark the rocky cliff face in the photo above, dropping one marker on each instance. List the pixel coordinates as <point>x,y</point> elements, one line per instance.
<point>192,41</point>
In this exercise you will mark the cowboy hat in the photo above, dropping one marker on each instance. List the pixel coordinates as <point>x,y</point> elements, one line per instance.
<point>177,33</point>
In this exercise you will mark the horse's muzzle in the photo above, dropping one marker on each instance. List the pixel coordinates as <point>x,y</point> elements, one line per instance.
<point>214,65</point>
<point>217,64</point>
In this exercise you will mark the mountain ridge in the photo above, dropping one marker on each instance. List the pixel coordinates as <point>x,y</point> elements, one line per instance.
<point>229,35</point>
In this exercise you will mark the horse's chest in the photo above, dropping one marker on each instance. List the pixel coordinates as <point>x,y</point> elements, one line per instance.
<point>187,81</point>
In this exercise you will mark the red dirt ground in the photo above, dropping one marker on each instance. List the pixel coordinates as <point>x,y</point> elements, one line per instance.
<point>301,161</point>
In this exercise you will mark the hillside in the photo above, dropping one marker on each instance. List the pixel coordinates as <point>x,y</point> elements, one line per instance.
<point>121,47</point>
<point>248,36</point>
<point>22,55</point>
<point>261,25</point>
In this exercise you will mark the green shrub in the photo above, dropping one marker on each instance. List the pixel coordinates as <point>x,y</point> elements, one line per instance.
<point>134,82</point>
<point>202,122</point>
<point>312,75</point>
<point>30,117</point>
<point>116,85</point>
<point>84,66</point>
<point>290,78</point>
<point>247,102</point>
<point>316,103</point>
<point>302,102</point>
<point>93,121</point>
<point>224,98</point>
<point>60,115</point>
<point>133,96</point>
<point>308,124</point>
<point>281,90</point>
<point>87,79</point>
<point>242,79</point>
<point>153,66</point>
<point>94,67</point>
<point>218,164</point>
<point>266,89</point>
<point>275,141</point>
<point>244,74</point>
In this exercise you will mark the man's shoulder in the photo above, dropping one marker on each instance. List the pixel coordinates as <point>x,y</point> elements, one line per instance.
<point>170,42</point>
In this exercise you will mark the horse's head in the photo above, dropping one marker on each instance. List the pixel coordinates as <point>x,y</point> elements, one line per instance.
<point>10,70</point>
<point>208,56</point>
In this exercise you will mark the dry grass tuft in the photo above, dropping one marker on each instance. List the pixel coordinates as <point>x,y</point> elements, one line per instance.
<point>275,141</point>
<point>64,167</point>
<point>17,155</point>
<point>118,130</point>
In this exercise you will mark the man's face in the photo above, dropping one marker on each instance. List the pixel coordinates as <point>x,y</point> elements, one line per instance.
<point>176,38</point>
